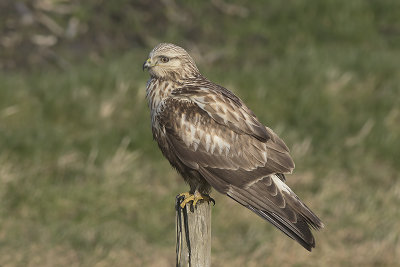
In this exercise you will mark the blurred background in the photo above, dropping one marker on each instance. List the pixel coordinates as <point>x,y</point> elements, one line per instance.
<point>82,183</point>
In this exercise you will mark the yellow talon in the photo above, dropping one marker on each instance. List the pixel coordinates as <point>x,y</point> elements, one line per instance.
<point>196,197</point>
<point>187,198</point>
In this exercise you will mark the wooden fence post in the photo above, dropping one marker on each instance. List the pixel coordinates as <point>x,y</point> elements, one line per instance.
<point>193,232</point>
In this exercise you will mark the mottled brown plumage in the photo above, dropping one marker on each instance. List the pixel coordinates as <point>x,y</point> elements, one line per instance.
<point>214,140</point>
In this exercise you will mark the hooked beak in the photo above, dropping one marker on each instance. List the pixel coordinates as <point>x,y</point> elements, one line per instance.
<point>147,64</point>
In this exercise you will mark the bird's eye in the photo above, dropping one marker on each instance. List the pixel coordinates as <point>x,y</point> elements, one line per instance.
<point>164,59</point>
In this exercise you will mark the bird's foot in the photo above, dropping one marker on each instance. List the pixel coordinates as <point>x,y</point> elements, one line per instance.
<point>195,198</point>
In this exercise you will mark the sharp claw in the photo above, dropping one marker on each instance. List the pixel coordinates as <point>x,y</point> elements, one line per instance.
<point>184,198</point>
<point>195,202</point>
<point>212,200</point>
<point>178,201</point>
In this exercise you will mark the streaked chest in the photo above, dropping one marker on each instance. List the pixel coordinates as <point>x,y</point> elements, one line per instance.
<point>156,92</point>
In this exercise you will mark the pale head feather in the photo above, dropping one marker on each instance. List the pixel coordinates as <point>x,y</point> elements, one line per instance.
<point>180,64</point>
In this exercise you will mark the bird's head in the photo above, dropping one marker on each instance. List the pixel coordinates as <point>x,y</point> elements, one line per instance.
<point>170,62</point>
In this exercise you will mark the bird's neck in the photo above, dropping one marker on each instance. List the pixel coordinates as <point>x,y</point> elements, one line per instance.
<point>159,89</point>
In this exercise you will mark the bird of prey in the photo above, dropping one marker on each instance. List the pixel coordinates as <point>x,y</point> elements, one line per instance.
<point>214,140</point>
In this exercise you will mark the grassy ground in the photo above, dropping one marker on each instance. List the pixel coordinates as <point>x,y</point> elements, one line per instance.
<point>83,184</point>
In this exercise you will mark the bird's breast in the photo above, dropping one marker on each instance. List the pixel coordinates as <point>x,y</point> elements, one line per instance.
<point>157,90</point>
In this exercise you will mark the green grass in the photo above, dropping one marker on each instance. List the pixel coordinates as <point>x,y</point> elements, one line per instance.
<point>83,184</point>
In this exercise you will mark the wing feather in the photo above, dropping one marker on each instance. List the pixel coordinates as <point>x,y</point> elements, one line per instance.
<point>236,157</point>
<point>225,108</point>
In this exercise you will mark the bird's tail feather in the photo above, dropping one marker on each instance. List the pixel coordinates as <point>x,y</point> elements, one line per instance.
<point>270,198</point>
<point>298,230</point>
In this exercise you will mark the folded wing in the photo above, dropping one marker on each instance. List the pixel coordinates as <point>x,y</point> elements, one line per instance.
<point>215,134</point>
